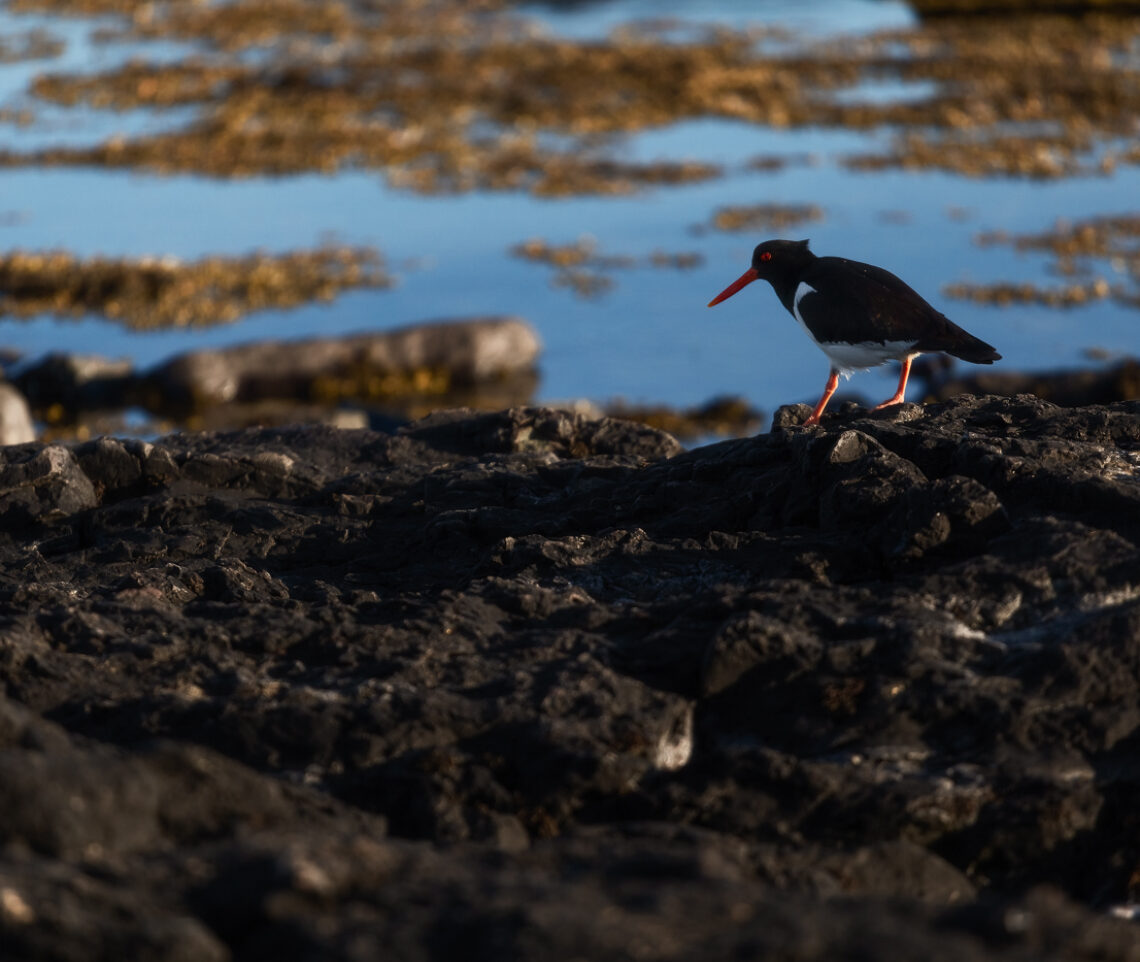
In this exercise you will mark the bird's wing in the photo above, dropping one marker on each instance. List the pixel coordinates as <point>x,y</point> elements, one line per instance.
<point>856,301</point>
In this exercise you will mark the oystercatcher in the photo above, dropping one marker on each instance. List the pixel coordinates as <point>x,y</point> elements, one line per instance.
<point>859,315</point>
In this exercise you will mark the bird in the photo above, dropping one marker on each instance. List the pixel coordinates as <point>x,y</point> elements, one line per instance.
<point>859,315</point>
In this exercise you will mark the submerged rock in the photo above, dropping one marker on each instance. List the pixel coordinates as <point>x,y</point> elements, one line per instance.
<point>532,685</point>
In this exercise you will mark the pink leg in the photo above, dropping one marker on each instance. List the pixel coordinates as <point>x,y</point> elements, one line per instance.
<point>832,384</point>
<point>901,392</point>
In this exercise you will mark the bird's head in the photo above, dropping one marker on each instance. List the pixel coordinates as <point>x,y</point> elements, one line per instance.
<point>770,259</point>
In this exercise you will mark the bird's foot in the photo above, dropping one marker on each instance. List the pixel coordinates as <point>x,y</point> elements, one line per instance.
<point>890,402</point>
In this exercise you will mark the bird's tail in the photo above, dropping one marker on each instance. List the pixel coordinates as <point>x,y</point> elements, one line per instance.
<point>974,350</point>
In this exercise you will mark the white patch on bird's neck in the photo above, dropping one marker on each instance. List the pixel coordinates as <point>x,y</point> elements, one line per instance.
<point>801,292</point>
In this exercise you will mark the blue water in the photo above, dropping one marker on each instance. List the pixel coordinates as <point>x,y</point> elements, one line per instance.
<point>813,18</point>
<point>651,338</point>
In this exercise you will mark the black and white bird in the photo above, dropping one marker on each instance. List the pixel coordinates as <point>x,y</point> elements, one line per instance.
<point>859,315</point>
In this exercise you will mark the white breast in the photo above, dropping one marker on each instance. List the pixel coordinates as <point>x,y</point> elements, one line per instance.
<point>846,358</point>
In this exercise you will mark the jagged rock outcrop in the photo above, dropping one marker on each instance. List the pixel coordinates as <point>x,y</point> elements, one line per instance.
<point>528,685</point>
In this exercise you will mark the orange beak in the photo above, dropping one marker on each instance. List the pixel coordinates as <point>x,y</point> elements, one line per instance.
<point>742,281</point>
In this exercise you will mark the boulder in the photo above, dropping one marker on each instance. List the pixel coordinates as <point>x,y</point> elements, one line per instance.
<point>429,358</point>
<point>15,419</point>
<point>77,381</point>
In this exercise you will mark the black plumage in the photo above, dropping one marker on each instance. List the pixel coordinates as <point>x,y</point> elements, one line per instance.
<point>859,315</point>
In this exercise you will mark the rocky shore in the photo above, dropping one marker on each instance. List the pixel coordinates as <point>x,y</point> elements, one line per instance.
<point>528,685</point>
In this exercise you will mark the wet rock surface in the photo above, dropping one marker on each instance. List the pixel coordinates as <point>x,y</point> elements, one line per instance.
<point>529,685</point>
<point>484,362</point>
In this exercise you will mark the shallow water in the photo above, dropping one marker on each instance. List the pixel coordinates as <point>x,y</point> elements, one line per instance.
<point>650,337</point>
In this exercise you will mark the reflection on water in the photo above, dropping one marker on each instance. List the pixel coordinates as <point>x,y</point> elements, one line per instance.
<point>659,185</point>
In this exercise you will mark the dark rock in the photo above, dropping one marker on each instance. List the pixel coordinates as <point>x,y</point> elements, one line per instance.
<point>898,869</point>
<point>545,432</point>
<point>117,465</point>
<point>77,381</point>
<point>1006,8</point>
<point>41,483</point>
<point>64,911</point>
<point>388,378</point>
<point>531,685</point>
<point>790,415</point>
<point>949,513</point>
<point>1074,388</point>
<point>719,417</point>
<point>458,352</point>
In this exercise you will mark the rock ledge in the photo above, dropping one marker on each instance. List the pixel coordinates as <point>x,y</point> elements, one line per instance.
<point>527,685</point>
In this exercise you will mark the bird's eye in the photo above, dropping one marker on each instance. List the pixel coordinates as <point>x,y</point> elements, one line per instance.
<point>766,256</point>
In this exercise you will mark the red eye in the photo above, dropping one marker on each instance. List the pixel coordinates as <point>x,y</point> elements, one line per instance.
<point>766,256</point>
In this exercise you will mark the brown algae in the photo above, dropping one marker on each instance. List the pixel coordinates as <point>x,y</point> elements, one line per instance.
<point>1112,241</point>
<point>149,292</point>
<point>446,96</point>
